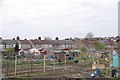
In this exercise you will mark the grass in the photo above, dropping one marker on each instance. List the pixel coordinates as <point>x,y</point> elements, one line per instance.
<point>28,75</point>
<point>24,63</point>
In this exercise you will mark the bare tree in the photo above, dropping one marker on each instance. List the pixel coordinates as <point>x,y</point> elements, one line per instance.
<point>76,38</point>
<point>47,38</point>
<point>90,35</point>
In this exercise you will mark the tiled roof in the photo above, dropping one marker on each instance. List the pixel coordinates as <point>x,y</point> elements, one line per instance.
<point>58,42</point>
<point>70,42</point>
<point>102,41</point>
<point>50,42</point>
<point>25,42</point>
<point>9,41</point>
<point>109,42</point>
<point>55,42</point>
<point>36,42</point>
<point>87,41</point>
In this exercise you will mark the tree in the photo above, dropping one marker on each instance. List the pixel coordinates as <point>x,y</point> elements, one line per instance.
<point>47,38</point>
<point>18,38</point>
<point>67,39</point>
<point>13,38</point>
<point>83,49</point>
<point>16,49</point>
<point>98,46</point>
<point>56,38</point>
<point>9,51</point>
<point>39,38</point>
<point>90,35</point>
<point>117,37</point>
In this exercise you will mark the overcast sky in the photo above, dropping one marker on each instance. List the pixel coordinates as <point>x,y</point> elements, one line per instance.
<point>62,18</point>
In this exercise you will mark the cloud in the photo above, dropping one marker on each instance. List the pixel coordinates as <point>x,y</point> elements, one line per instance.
<point>29,18</point>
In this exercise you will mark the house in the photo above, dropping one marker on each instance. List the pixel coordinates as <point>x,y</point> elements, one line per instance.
<point>118,47</point>
<point>1,46</point>
<point>78,44</point>
<point>8,43</point>
<point>36,43</point>
<point>110,43</point>
<point>50,44</point>
<point>25,45</point>
<point>56,44</point>
<point>66,43</point>
<point>89,45</point>
<point>115,59</point>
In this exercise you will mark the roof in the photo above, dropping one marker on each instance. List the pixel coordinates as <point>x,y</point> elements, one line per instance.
<point>25,42</point>
<point>0,41</point>
<point>36,41</point>
<point>68,42</point>
<point>102,41</point>
<point>87,41</point>
<point>78,44</point>
<point>114,53</point>
<point>55,42</point>
<point>109,42</point>
<point>9,41</point>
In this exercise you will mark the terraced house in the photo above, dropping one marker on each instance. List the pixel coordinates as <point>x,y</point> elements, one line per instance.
<point>25,45</point>
<point>1,47</point>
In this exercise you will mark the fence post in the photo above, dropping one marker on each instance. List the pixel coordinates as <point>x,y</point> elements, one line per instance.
<point>15,65</point>
<point>44,64</point>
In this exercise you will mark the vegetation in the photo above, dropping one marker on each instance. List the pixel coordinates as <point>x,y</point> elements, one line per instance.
<point>89,35</point>
<point>98,46</point>
<point>83,49</point>
<point>16,48</point>
<point>9,51</point>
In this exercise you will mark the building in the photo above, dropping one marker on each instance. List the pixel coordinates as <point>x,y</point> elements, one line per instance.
<point>78,44</point>
<point>1,46</point>
<point>8,43</point>
<point>25,46</point>
<point>115,59</point>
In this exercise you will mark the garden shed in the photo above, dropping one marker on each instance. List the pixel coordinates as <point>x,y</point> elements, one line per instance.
<point>115,59</point>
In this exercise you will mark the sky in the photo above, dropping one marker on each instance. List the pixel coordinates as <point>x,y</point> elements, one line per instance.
<point>58,18</point>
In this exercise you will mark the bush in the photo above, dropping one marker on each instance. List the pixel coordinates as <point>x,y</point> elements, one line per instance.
<point>76,61</point>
